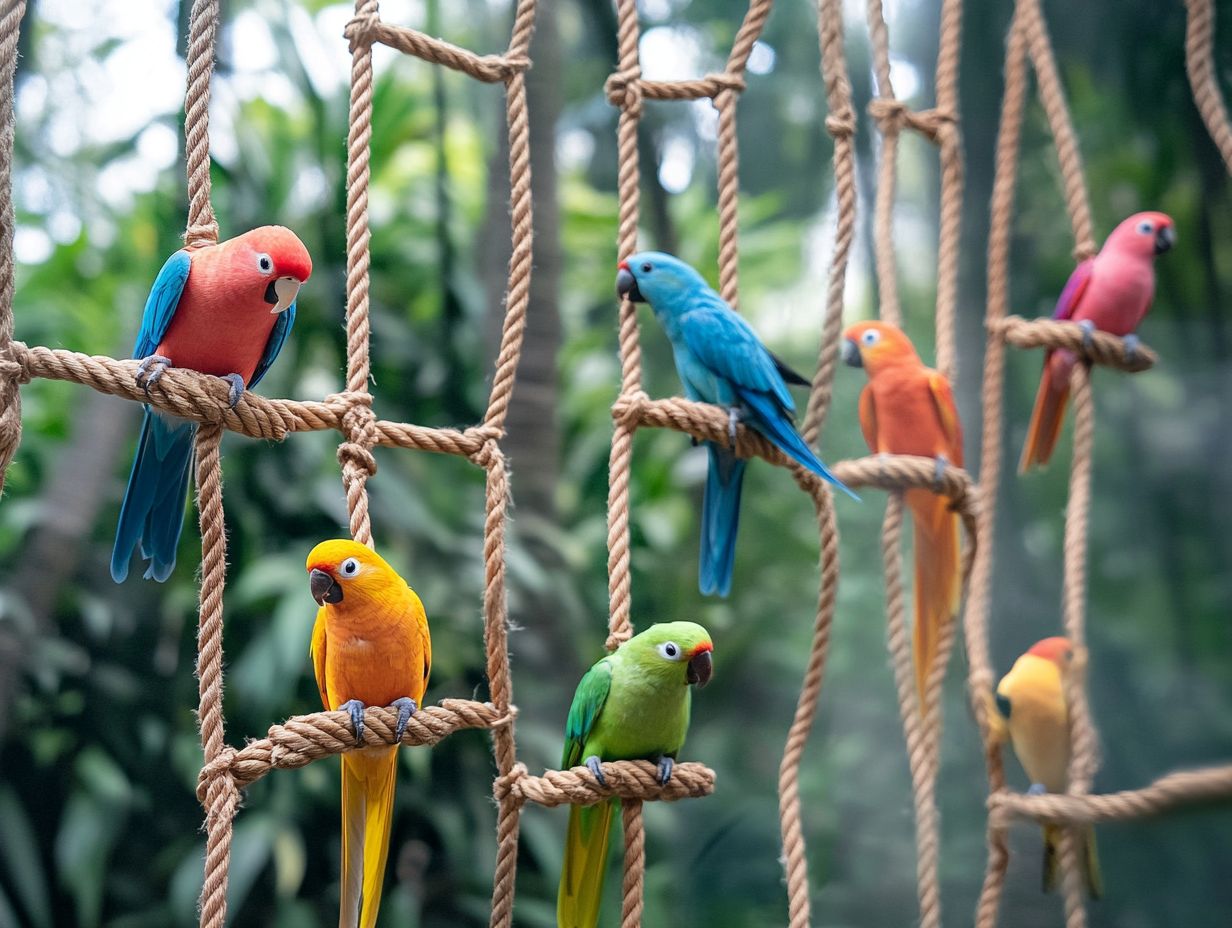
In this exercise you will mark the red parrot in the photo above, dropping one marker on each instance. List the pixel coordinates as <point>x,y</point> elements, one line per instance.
<point>908,408</point>
<point>225,310</point>
<point>1110,292</point>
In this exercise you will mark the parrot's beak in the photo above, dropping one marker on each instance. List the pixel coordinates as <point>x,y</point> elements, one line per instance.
<point>701,666</point>
<point>626,284</point>
<point>851,353</point>
<point>324,588</point>
<point>281,293</point>
<point>1165,238</point>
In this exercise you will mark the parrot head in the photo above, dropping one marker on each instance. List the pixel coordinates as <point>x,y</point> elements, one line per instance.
<point>674,652</point>
<point>1055,649</point>
<point>658,279</point>
<point>1143,235</point>
<point>272,260</point>
<point>344,570</point>
<point>876,345</point>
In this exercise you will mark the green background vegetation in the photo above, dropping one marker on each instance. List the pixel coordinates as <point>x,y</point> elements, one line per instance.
<point>98,744</point>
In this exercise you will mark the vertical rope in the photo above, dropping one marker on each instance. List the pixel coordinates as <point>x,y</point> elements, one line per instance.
<point>949,138</point>
<point>1200,64</point>
<point>981,677</point>
<point>10,396</point>
<point>889,117</point>
<point>222,797</point>
<point>635,863</point>
<point>202,36</point>
<point>841,125</point>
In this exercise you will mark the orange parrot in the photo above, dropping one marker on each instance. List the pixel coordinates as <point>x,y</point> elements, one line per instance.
<point>370,647</point>
<point>908,408</point>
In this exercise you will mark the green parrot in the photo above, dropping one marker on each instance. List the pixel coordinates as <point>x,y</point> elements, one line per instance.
<point>631,705</point>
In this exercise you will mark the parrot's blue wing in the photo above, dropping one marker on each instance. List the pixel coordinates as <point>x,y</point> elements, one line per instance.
<point>588,702</point>
<point>161,304</point>
<point>729,347</point>
<point>278,338</point>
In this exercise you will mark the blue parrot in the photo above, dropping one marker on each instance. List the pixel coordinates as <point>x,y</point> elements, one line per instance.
<point>721,361</point>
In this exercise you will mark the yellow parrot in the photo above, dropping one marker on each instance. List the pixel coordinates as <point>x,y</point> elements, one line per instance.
<point>370,647</point>
<point>1032,713</point>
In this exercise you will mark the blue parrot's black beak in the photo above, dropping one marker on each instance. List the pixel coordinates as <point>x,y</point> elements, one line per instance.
<point>851,353</point>
<point>324,588</point>
<point>626,286</point>
<point>700,668</point>
<point>1165,238</point>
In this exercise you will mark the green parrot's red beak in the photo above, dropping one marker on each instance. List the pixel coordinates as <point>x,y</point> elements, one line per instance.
<point>701,665</point>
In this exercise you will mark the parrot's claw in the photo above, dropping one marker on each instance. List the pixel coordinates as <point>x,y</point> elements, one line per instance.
<point>1037,789</point>
<point>665,769</point>
<point>733,420</point>
<point>356,710</point>
<point>150,371</point>
<point>593,765</point>
<point>1132,343</point>
<point>406,708</point>
<point>237,389</point>
<point>939,472</point>
<point>1088,332</point>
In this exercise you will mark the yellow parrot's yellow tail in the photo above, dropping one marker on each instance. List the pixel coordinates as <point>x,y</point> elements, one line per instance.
<point>938,575</point>
<point>581,877</point>
<point>1086,853</point>
<point>367,807</point>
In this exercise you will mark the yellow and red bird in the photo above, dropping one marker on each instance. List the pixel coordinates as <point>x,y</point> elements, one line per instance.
<point>908,408</point>
<point>370,647</point>
<point>1033,715</point>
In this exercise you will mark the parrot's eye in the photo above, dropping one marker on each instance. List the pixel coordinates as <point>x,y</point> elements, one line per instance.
<point>349,567</point>
<point>647,267</point>
<point>670,650</point>
<point>1146,227</point>
<point>265,264</point>
<point>871,337</point>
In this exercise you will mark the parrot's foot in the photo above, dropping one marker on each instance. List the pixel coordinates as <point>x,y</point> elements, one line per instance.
<point>733,420</point>
<point>1037,789</point>
<point>237,388</point>
<point>356,710</point>
<point>406,708</point>
<point>665,769</point>
<point>593,765</point>
<point>150,371</point>
<point>1088,333</point>
<point>1132,344</point>
<point>942,462</point>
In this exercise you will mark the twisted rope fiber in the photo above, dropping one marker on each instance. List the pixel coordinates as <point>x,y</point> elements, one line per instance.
<point>1200,63</point>
<point>1098,348</point>
<point>10,396</point>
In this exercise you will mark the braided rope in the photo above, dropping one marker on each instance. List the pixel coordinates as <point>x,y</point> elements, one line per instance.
<point>1200,63</point>
<point>10,396</point>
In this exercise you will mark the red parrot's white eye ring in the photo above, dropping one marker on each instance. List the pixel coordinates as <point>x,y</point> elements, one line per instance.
<point>870,337</point>
<point>265,264</point>
<point>1146,227</point>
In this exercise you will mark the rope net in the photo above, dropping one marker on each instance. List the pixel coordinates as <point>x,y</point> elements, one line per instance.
<point>304,739</point>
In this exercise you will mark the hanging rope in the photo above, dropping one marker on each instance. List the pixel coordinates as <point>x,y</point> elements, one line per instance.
<point>10,397</point>
<point>1200,63</point>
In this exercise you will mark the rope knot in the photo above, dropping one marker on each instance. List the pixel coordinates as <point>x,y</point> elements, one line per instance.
<point>510,66</point>
<point>218,771</point>
<point>624,90</point>
<point>888,113</point>
<point>841,123</point>
<point>356,458</point>
<point>359,31</point>
<point>724,82</point>
<point>629,410</point>
<point>13,363</point>
<point>508,786</point>
<point>486,453</point>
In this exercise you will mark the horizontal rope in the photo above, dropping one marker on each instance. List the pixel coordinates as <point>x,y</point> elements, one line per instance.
<point>1101,348</point>
<point>1184,787</point>
<point>624,87</point>
<point>626,779</point>
<point>202,398</point>
<point>894,115</point>
<point>302,739</point>
<point>491,69</point>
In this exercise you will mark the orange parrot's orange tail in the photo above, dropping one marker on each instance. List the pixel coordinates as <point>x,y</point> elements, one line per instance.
<point>1049,412</point>
<point>938,576</point>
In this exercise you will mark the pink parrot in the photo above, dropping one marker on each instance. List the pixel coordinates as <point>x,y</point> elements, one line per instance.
<point>1110,292</point>
<point>225,310</point>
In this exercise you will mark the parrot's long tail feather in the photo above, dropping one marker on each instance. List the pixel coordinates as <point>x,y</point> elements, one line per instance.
<point>1049,413</point>
<point>1087,853</point>
<point>367,810</point>
<point>581,877</point>
<point>772,423</point>
<point>153,510</point>
<point>938,576</point>
<point>720,519</point>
